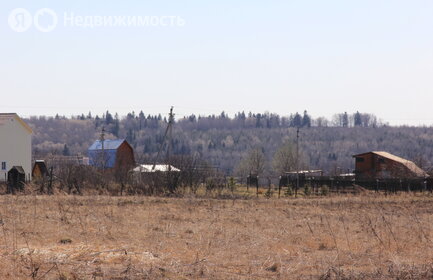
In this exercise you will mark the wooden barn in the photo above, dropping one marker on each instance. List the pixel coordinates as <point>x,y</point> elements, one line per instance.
<point>111,154</point>
<point>383,165</point>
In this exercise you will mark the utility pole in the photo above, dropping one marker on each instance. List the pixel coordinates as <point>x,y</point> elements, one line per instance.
<point>168,132</point>
<point>102,139</point>
<point>297,162</point>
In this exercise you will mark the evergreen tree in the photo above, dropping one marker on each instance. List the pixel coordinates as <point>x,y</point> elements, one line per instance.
<point>357,119</point>
<point>66,151</point>
<point>142,119</point>
<point>306,120</point>
<point>297,120</point>
<point>345,120</point>
<point>108,118</point>
<point>130,136</point>
<point>115,128</point>
<point>259,120</point>
<point>97,121</point>
<point>192,118</point>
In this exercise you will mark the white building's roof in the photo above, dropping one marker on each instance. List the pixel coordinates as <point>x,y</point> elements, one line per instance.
<point>5,117</point>
<point>145,168</point>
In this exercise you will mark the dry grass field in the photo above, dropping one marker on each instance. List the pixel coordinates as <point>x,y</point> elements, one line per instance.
<point>102,237</point>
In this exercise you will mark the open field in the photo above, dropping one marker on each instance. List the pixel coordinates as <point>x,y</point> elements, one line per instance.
<point>101,237</point>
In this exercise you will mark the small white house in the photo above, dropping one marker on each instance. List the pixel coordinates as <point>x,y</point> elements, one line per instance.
<point>15,145</point>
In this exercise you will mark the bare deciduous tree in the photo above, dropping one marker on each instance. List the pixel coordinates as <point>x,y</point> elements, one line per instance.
<point>255,161</point>
<point>285,158</point>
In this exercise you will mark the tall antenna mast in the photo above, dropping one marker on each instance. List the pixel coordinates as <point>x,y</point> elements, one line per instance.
<point>168,131</point>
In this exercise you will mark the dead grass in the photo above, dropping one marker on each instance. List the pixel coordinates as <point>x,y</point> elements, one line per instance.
<point>100,237</point>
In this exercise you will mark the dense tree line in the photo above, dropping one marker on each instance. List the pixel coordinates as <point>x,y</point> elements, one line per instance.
<point>228,142</point>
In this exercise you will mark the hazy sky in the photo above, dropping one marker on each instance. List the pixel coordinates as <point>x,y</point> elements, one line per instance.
<point>277,56</point>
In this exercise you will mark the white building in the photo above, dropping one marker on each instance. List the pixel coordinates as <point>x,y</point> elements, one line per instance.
<point>150,168</point>
<point>15,145</point>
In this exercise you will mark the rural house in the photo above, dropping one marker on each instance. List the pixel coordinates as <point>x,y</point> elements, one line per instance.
<point>15,145</point>
<point>383,165</point>
<point>109,154</point>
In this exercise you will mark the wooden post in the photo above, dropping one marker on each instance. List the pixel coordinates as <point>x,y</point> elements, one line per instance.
<point>269,186</point>
<point>248,183</point>
<point>279,189</point>
<point>50,185</point>
<point>297,162</point>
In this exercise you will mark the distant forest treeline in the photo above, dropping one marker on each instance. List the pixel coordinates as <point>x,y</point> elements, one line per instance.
<point>225,142</point>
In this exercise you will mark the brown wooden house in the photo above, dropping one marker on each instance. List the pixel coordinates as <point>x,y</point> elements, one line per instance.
<point>383,165</point>
<point>111,154</point>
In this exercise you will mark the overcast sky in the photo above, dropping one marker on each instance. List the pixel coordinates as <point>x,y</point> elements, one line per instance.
<point>278,56</point>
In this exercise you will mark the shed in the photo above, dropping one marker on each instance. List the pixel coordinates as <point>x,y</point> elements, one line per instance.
<point>40,169</point>
<point>16,178</point>
<point>111,154</point>
<point>383,165</point>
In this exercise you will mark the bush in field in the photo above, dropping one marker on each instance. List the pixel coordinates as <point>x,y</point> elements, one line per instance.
<point>324,190</point>
<point>269,193</point>
<point>289,190</point>
<point>232,184</point>
<point>307,190</point>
